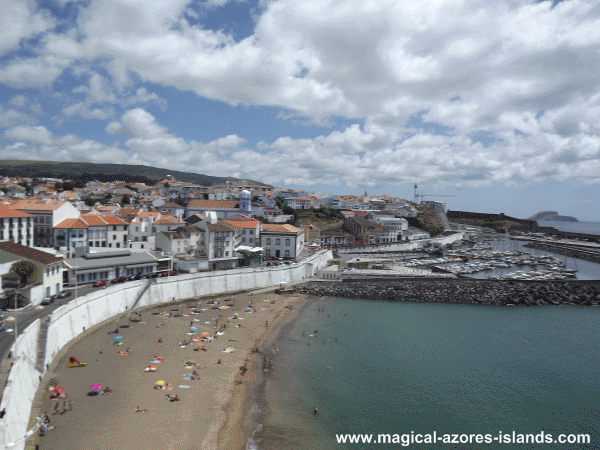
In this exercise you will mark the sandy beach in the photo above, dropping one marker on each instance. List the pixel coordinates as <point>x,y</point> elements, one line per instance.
<point>193,422</point>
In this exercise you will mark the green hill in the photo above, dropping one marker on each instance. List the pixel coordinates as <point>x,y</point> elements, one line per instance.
<point>104,172</point>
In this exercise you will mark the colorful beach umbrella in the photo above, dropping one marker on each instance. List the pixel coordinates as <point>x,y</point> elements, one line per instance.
<point>193,328</point>
<point>118,337</point>
<point>58,389</point>
<point>205,334</point>
<point>160,382</point>
<point>95,387</point>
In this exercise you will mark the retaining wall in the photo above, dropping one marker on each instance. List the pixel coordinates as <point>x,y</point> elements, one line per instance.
<point>23,382</point>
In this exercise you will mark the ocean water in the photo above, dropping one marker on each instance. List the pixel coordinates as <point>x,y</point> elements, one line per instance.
<point>575,227</point>
<point>404,367</point>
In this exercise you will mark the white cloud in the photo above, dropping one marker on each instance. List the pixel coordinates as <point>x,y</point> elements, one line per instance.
<point>19,20</point>
<point>33,134</point>
<point>137,123</point>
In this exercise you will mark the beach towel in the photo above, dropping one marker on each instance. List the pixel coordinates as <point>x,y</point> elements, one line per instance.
<point>183,386</point>
<point>156,361</point>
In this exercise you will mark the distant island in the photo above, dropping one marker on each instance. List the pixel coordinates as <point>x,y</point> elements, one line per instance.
<point>552,216</point>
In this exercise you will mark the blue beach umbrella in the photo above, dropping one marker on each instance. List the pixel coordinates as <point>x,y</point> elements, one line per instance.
<point>118,337</point>
<point>193,328</point>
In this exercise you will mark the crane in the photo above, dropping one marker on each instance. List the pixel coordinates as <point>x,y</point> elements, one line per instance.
<point>417,195</point>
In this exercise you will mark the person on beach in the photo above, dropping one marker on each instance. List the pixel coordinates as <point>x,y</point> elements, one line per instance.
<point>64,408</point>
<point>219,362</point>
<point>137,409</point>
<point>70,405</point>
<point>47,417</point>
<point>56,408</point>
<point>315,411</point>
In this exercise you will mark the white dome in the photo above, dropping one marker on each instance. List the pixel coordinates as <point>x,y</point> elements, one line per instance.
<point>245,193</point>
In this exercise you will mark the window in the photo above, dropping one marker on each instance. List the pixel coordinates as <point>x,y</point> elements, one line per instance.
<point>287,253</point>
<point>47,272</point>
<point>34,219</point>
<point>250,240</point>
<point>114,237</point>
<point>268,241</point>
<point>251,232</point>
<point>114,228</point>
<point>243,239</point>
<point>243,231</point>
<point>287,242</point>
<point>73,233</point>
<point>278,241</point>
<point>118,245</point>
<point>226,253</point>
<point>80,233</point>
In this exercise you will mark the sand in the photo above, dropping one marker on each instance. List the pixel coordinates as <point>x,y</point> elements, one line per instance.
<point>109,422</point>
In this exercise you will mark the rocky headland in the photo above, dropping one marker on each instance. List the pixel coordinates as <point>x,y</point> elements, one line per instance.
<point>476,292</point>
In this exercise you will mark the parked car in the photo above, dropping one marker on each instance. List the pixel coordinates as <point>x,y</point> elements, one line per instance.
<point>48,299</point>
<point>119,280</point>
<point>135,277</point>
<point>153,275</point>
<point>99,283</point>
<point>64,294</point>
<point>173,273</point>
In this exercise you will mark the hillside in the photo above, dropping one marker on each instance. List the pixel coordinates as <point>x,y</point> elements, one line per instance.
<point>552,216</point>
<point>104,172</point>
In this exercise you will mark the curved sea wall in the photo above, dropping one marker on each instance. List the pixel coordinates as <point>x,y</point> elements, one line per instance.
<point>476,292</point>
<point>77,316</point>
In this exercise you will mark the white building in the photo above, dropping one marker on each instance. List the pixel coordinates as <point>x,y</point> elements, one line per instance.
<point>399,227</point>
<point>16,226</point>
<point>48,271</point>
<point>281,241</point>
<point>46,214</point>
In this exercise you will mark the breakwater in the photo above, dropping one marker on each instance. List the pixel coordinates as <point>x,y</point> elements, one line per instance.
<point>462,291</point>
<point>567,250</point>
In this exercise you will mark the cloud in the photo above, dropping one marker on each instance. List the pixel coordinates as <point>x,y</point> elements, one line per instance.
<point>33,134</point>
<point>19,20</point>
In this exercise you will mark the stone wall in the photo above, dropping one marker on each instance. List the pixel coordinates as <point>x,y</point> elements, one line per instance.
<point>476,292</point>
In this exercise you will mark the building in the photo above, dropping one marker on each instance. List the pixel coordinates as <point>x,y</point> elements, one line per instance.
<point>220,245</point>
<point>16,226</point>
<point>46,214</point>
<point>222,208</point>
<point>331,238</point>
<point>92,267</point>
<point>398,226</point>
<point>311,233</point>
<point>173,208</point>
<point>281,241</point>
<point>299,202</point>
<point>171,242</point>
<point>166,223</point>
<point>48,268</point>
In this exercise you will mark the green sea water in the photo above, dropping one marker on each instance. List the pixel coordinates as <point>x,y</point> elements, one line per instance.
<point>397,368</point>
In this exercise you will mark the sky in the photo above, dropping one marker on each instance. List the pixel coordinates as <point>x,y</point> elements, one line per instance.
<point>494,105</point>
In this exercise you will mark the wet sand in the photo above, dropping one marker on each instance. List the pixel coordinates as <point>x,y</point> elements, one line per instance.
<point>109,422</point>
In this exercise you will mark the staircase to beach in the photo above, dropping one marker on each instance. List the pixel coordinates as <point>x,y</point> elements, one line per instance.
<point>41,344</point>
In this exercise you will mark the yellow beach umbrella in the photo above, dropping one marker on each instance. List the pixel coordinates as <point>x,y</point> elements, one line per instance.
<point>160,382</point>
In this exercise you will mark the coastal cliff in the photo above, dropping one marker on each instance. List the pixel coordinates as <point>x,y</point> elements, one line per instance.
<point>462,291</point>
<point>552,216</point>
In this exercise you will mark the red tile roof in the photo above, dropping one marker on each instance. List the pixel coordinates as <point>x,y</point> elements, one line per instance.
<point>168,220</point>
<point>33,205</point>
<point>5,211</point>
<point>29,253</point>
<point>252,224</point>
<point>71,223</point>
<point>218,204</point>
<point>276,228</point>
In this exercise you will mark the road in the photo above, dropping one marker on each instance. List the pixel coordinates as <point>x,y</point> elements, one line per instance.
<point>27,316</point>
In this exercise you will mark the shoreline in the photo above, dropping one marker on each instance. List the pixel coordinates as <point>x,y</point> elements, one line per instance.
<point>233,433</point>
<point>211,411</point>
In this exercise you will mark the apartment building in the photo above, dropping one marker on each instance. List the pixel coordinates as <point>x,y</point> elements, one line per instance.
<point>16,226</point>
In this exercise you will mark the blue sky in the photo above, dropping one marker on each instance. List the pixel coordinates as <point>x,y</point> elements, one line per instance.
<point>494,103</point>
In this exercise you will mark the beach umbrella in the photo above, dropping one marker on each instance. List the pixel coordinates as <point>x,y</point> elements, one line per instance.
<point>160,382</point>
<point>118,337</point>
<point>95,387</point>
<point>193,328</point>
<point>58,389</point>
<point>205,334</point>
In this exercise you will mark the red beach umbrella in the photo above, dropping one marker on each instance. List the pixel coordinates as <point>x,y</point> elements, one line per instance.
<point>95,387</point>
<point>58,389</point>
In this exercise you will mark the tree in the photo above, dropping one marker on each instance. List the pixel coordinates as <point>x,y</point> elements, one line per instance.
<point>24,269</point>
<point>89,201</point>
<point>125,200</point>
<point>279,201</point>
